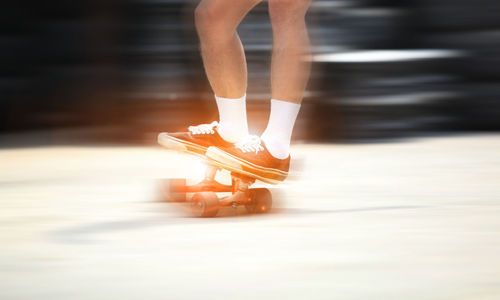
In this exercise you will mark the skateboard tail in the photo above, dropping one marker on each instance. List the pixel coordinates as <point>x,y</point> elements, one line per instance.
<point>173,143</point>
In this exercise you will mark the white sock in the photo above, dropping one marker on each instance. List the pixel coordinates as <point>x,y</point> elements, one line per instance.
<point>279,129</point>
<point>233,125</point>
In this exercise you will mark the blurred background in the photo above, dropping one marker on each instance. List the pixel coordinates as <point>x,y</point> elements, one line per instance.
<point>119,71</point>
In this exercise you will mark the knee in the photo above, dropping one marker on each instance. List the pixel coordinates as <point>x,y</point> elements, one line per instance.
<point>284,12</point>
<point>207,15</point>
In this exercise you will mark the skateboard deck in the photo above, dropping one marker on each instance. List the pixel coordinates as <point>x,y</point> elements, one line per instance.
<point>177,145</point>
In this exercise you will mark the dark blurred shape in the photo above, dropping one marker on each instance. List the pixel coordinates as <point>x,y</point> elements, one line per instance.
<point>126,69</point>
<point>439,76</point>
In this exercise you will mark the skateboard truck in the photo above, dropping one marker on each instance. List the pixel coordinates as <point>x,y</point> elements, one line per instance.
<point>206,203</point>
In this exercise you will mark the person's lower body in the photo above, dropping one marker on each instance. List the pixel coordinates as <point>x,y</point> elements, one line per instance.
<point>225,65</point>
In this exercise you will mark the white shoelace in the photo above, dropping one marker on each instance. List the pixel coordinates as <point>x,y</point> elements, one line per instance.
<point>250,144</point>
<point>203,128</point>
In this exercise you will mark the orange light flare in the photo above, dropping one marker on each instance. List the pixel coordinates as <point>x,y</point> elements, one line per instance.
<point>194,170</point>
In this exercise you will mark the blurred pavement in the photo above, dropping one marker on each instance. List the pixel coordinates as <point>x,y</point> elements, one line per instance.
<point>418,219</point>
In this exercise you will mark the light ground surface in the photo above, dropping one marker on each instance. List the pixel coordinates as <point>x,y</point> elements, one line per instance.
<point>412,220</point>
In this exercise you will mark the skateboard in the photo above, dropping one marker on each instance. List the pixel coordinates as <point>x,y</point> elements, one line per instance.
<point>206,203</point>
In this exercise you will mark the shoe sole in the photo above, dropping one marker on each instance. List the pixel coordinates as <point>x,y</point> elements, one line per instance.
<point>176,144</point>
<point>234,164</point>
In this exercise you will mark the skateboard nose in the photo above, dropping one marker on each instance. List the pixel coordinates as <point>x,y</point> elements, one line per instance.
<point>162,136</point>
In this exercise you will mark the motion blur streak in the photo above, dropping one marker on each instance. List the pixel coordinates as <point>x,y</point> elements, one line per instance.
<point>394,188</point>
<point>122,70</point>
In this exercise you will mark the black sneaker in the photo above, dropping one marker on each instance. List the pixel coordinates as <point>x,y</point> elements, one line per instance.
<point>195,141</point>
<point>251,158</point>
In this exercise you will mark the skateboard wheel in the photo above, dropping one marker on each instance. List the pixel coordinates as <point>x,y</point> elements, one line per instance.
<point>174,190</point>
<point>261,201</point>
<point>205,204</point>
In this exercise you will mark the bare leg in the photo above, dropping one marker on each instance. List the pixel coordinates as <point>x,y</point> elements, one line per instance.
<point>289,71</point>
<point>221,48</point>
